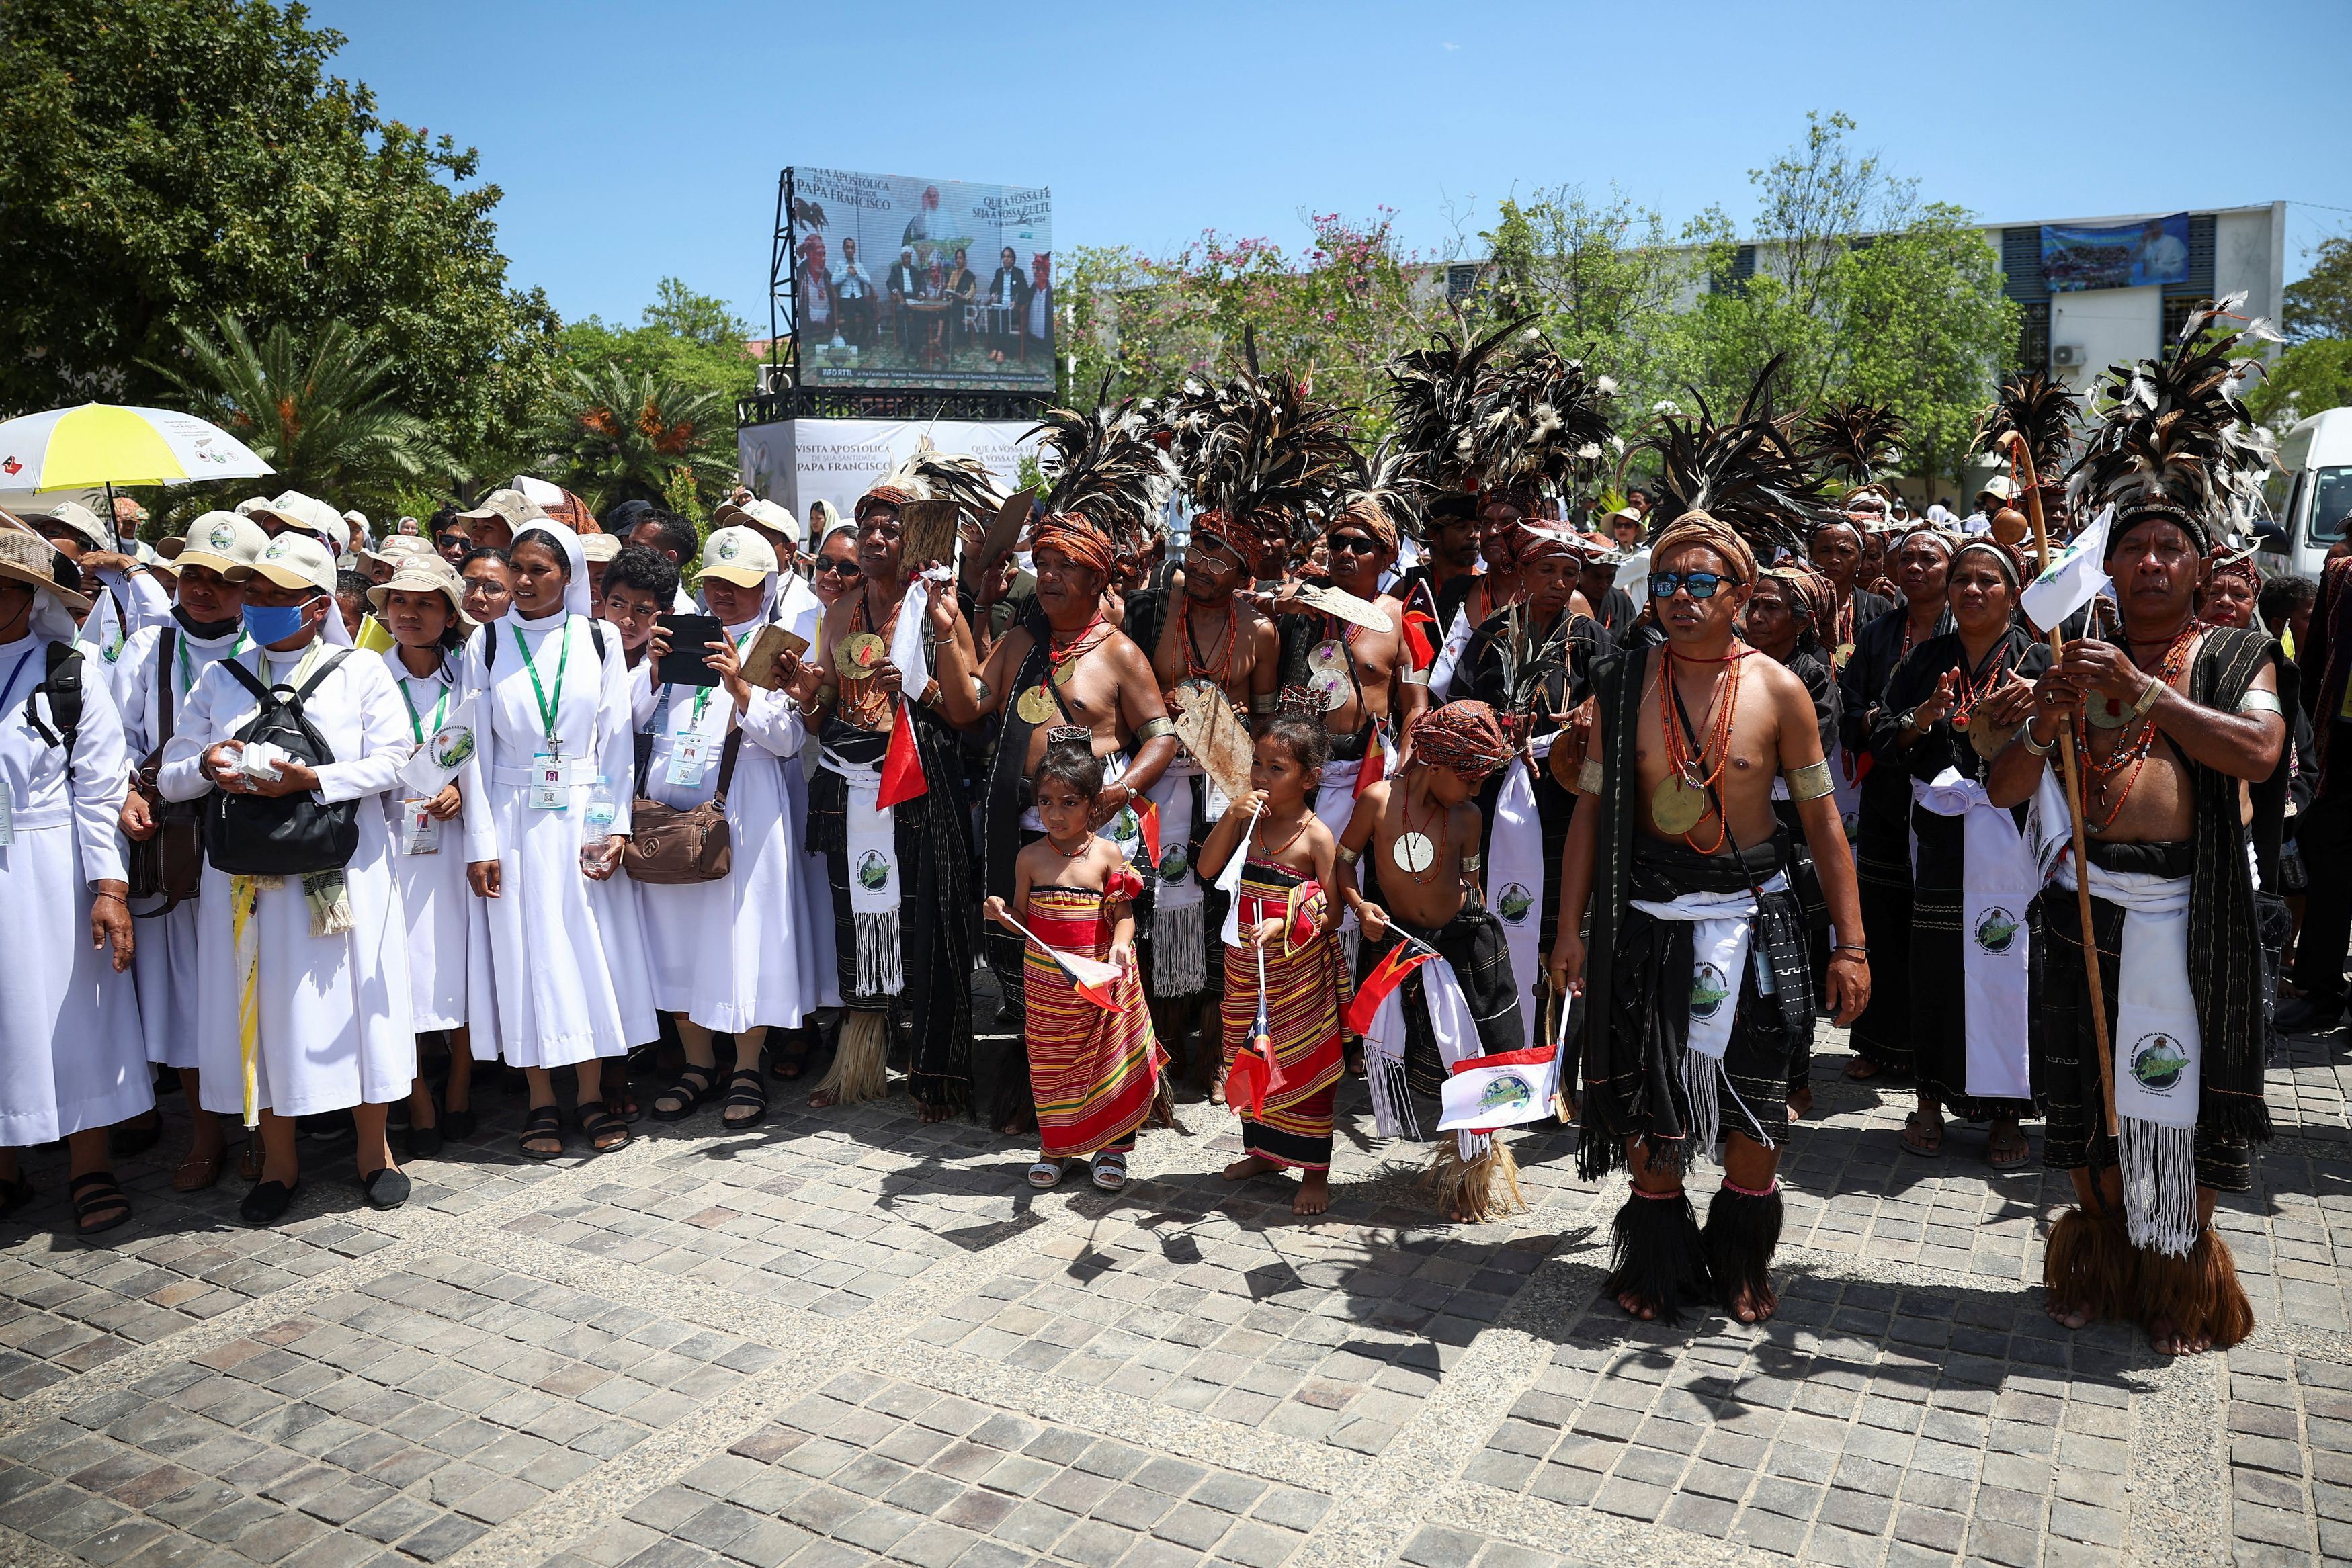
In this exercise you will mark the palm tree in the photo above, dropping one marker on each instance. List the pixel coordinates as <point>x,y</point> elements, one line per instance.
<point>633,437</point>
<point>322,409</point>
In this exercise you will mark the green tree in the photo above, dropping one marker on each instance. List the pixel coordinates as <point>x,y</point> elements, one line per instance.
<point>631,436</point>
<point>1601,277</point>
<point>2320,305</point>
<point>691,341</point>
<point>318,406</point>
<point>2309,378</point>
<point>163,162</point>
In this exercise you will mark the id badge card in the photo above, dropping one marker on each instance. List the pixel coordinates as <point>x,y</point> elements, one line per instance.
<point>7,814</point>
<point>420,830</point>
<point>550,783</point>
<point>688,755</point>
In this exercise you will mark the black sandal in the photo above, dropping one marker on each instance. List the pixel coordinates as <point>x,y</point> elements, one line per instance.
<point>691,1087</point>
<point>95,1192</point>
<point>543,1122</point>
<point>745,1090</point>
<point>598,1122</point>
<point>792,1063</point>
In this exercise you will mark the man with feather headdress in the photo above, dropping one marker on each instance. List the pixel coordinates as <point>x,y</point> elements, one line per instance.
<point>1064,669</point>
<point>1698,982</point>
<point>2175,723</point>
<point>886,808</point>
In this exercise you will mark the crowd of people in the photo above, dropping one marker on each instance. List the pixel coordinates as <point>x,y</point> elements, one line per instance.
<point>1372,768</point>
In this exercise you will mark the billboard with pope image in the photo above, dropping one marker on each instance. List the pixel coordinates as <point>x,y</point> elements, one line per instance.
<point>904,281</point>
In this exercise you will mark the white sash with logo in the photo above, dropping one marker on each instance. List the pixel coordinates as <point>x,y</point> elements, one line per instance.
<point>1515,882</point>
<point>1719,942</point>
<point>1997,880</point>
<point>871,835</point>
<point>1179,964</point>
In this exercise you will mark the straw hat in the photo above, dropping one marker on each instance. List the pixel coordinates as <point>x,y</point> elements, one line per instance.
<point>425,573</point>
<point>31,559</point>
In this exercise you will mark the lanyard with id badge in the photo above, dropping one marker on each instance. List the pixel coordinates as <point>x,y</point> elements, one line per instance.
<point>551,774</point>
<point>420,830</point>
<point>8,791</point>
<point>689,749</point>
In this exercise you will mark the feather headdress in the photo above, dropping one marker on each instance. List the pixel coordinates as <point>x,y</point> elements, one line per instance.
<point>929,475</point>
<point>1104,465</point>
<point>1435,396</point>
<point>2169,438</point>
<point>2043,411</point>
<point>1747,473</point>
<point>1542,420</point>
<point>1379,489</point>
<point>1256,447</point>
<point>1854,440</point>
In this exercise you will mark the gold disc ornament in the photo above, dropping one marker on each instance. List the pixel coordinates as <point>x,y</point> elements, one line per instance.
<point>1414,852</point>
<point>1036,706</point>
<point>859,652</point>
<point>1844,651</point>
<point>2104,712</point>
<point>1678,807</point>
<point>1987,737</point>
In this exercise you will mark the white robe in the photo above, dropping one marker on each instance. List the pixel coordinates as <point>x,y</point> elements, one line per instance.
<point>446,925</point>
<point>165,961</point>
<point>723,953</point>
<point>566,978</point>
<point>798,609</point>
<point>71,1056</point>
<point>335,1027</point>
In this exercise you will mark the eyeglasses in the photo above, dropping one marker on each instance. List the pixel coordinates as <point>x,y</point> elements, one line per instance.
<point>1701,584</point>
<point>1354,544</point>
<point>844,568</point>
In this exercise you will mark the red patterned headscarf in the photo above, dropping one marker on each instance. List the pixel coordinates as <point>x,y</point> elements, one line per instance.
<point>1074,539</point>
<point>1461,737</point>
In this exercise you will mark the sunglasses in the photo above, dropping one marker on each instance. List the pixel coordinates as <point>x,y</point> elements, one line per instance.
<point>1354,544</point>
<point>1701,584</point>
<point>844,568</point>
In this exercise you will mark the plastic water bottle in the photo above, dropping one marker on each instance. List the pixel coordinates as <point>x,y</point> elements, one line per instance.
<point>596,842</point>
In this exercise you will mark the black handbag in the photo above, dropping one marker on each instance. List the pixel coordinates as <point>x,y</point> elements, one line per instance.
<point>168,864</point>
<point>283,835</point>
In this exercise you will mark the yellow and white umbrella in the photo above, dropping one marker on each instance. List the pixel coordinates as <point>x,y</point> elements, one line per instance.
<point>106,444</point>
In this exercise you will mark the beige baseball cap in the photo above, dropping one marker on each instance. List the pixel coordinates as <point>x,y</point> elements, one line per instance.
<point>512,505</point>
<point>84,523</point>
<point>760,514</point>
<point>398,547</point>
<point>312,517</point>
<point>225,542</point>
<point>737,555</point>
<point>598,547</point>
<point>297,560</point>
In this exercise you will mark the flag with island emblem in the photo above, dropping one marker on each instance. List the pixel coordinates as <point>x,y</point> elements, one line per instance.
<point>1483,1093</point>
<point>2074,578</point>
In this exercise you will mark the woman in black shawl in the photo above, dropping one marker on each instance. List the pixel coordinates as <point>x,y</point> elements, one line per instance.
<point>1953,704</point>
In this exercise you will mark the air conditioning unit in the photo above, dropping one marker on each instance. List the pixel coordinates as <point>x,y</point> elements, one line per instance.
<point>775,378</point>
<point>2066,356</point>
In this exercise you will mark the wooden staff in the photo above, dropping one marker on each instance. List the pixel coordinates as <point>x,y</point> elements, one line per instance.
<point>2022,457</point>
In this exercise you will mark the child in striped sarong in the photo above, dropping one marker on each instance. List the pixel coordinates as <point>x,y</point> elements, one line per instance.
<point>1094,1072</point>
<point>1285,917</point>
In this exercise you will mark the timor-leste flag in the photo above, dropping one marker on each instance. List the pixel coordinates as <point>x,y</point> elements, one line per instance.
<point>1385,977</point>
<point>902,765</point>
<point>1421,637</point>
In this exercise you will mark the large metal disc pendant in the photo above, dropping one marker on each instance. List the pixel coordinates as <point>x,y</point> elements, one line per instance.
<point>1988,738</point>
<point>1414,852</point>
<point>1676,807</point>
<point>1843,652</point>
<point>859,653</point>
<point>1333,687</point>
<point>1331,654</point>
<point>2105,712</point>
<point>1036,707</point>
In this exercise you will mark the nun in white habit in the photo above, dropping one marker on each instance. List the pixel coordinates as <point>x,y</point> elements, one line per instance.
<point>159,667</point>
<point>722,951</point>
<point>302,1002</point>
<point>72,1061</point>
<point>422,604</point>
<point>567,983</point>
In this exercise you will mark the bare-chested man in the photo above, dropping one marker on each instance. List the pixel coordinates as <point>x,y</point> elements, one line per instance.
<point>902,894</point>
<point>1080,674</point>
<point>2174,723</point>
<point>1698,991</point>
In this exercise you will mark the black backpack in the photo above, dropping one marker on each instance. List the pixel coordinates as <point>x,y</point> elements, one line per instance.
<point>284,835</point>
<point>61,684</point>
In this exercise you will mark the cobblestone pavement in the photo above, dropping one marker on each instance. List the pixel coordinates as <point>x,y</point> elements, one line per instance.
<point>850,1337</point>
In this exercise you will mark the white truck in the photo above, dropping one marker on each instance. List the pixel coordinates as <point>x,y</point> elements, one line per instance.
<point>2311,497</point>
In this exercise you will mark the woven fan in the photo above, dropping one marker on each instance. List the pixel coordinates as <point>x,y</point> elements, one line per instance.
<point>1215,737</point>
<point>1339,601</point>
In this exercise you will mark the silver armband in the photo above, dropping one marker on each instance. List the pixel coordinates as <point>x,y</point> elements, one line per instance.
<point>1470,864</point>
<point>1588,776</point>
<point>979,690</point>
<point>2260,701</point>
<point>1347,856</point>
<point>1153,728</point>
<point>1810,782</point>
<point>2024,738</point>
<point>1263,702</point>
<point>1414,677</point>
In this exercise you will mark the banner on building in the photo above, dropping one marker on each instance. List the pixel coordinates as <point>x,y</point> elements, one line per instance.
<point>799,462</point>
<point>2124,255</point>
<point>903,281</point>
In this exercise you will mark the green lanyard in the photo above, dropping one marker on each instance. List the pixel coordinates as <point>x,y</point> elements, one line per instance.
<point>187,670</point>
<point>547,709</point>
<point>415,723</point>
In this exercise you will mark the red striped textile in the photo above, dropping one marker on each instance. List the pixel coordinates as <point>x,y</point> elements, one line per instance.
<point>1094,1072</point>
<point>1304,991</point>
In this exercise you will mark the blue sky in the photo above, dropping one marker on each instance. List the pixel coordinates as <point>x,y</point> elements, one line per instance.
<point>634,141</point>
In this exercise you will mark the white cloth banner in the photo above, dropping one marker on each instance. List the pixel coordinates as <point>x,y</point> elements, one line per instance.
<point>2158,1057</point>
<point>1441,669</point>
<point>872,837</point>
<point>1514,883</point>
<point>797,462</point>
<point>2076,575</point>
<point>1718,961</point>
<point>1998,880</point>
<point>1490,1092</point>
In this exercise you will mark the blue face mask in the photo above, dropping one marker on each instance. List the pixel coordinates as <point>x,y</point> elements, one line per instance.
<point>265,626</point>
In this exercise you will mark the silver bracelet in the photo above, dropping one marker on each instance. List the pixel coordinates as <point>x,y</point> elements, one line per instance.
<point>2024,738</point>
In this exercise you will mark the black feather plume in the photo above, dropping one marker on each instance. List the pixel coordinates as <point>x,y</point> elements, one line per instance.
<point>1434,398</point>
<point>1258,448</point>
<point>1748,472</point>
<point>1542,420</point>
<point>1104,465</point>
<point>2043,411</point>
<point>1854,440</point>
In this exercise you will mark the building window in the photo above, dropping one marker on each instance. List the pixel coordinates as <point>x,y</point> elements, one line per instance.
<point>2033,337</point>
<point>2177,309</point>
<point>1461,277</point>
